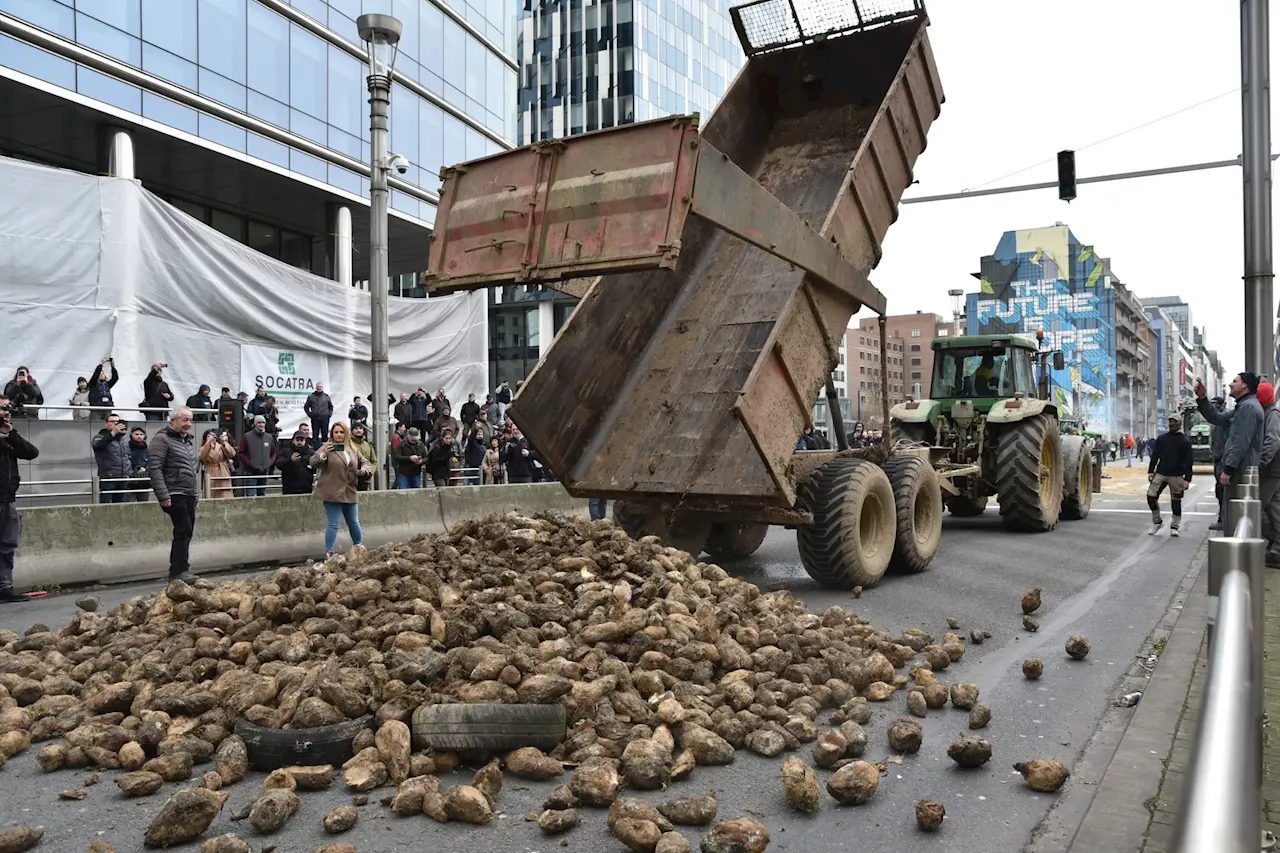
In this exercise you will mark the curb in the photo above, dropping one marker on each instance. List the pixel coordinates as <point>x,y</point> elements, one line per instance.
<point>1112,816</point>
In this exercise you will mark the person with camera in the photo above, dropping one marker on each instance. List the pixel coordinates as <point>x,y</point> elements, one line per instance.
<point>22,392</point>
<point>100,385</point>
<point>473,452</point>
<point>358,413</point>
<point>409,455</point>
<point>155,392</point>
<point>257,456</point>
<point>13,447</point>
<point>518,458</point>
<point>115,461</point>
<point>216,454</point>
<point>172,464</point>
<point>340,466</point>
<point>140,488</point>
<point>365,447</point>
<point>440,458</point>
<point>293,461</point>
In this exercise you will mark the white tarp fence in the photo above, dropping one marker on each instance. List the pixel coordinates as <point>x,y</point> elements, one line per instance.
<point>91,267</point>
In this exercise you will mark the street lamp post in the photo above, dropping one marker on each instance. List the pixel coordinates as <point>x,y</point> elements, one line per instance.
<point>956,295</point>
<point>381,34</point>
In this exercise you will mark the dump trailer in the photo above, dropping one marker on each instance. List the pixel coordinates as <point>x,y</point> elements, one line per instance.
<point>719,264</point>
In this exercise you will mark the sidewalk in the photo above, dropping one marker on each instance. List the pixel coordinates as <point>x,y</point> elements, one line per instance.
<point>1133,808</point>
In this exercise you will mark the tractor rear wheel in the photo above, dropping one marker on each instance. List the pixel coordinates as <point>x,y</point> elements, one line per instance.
<point>964,507</point>
<point>917,500</point>
<point>1029,474</point>
<point>1077,473</point>
<point>919,433</point>
<point>730,541</point>
<point>681,533</point>
<point>851,539</point>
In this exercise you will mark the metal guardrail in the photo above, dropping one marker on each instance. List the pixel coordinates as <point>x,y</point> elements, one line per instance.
<point>1221,805</point>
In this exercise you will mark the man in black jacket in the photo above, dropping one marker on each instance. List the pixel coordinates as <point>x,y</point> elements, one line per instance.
<point>115,461</point>
<point>1170,466</point>
<point>440,458</point>
<point>402,413</point>
<point>100,385</point>
<point>12,448</point>
<point>155,392</point>
<point>518,457</point>
<point>294,464</point>
<point>470,411</point>
<point>201,403</point>
<point>319,408</point>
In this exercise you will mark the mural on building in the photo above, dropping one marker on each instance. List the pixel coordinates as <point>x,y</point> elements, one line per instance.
<point>1044,279</point>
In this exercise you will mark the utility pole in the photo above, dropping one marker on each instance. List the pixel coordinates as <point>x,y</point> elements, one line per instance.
<point>1255,84</point>
<point>381,34</point>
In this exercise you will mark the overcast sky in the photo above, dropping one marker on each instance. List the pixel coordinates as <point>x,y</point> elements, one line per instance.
<point>1024,80</point>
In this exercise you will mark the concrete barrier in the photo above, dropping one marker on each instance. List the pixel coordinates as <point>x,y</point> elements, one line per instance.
<point>115,543</point>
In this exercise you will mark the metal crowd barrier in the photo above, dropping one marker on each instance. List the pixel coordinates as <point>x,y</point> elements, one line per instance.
<point>1221,803</point>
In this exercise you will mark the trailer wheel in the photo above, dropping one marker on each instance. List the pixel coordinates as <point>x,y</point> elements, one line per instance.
<point>851,539</point>
<point>1077,475</point>
<point>1029,474</point>
<point>735,541</point>
<point>965,507</point>
<point>919,433</point>
<point>917,500</point>
<point>640,521</point>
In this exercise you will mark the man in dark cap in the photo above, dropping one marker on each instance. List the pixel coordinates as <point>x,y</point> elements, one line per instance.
<point>1217,447</point>
<point>1244,443</point>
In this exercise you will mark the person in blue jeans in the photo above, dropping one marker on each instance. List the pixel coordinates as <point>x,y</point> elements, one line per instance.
<point>340,466</point>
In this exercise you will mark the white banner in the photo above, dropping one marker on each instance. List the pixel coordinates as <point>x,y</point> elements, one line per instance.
<point>289,375</point>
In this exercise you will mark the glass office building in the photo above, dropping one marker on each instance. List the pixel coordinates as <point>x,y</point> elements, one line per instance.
<point>252,115</point>
<point>593,64</point>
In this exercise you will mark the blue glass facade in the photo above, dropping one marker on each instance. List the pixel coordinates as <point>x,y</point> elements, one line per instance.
<point>250,56</point>
<point>592,64</point>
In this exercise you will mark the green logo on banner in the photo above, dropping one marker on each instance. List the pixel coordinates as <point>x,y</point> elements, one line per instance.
<point>285,364</point>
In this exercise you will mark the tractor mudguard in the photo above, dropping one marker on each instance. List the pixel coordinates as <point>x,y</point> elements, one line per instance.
<point>916,412</point>
<point>1012,411</point>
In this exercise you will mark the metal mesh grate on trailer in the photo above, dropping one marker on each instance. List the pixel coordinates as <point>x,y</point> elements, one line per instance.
<point>765,25</point>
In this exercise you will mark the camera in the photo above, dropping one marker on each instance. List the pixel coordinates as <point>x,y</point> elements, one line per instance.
<point>398,162</point>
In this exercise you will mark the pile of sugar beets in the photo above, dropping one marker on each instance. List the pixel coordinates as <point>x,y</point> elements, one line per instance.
<point>662,664</point>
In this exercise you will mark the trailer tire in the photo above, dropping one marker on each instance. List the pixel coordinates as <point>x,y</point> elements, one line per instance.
<point>917,433</point>
<point>681,533</point>
<point>964,507</point>
<point>1077,476</point>
<point>917,500</point>
<point>851,539</point>
<point>730,541</point>
<point>487,726</point>
<point>1029,474</point>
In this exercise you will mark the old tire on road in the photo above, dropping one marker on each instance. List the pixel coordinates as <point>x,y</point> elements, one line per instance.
<point>729,541</point>
<point>269,749</point>
<point>1029,474</point>
<point>963,507</point>
<point>640,521</point>
<point>917,500</point>
<point>487,726</point>
<point>851,539</point>
<point>1077,477</point>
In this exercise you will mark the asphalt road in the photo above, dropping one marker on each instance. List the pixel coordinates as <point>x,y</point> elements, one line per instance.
<point>1103,577</point>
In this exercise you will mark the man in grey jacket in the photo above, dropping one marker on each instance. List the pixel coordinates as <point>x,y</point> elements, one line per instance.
<point>1244,444</point>
<point>172,462</point>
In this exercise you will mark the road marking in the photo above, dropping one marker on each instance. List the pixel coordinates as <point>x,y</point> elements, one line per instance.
<point>1148,512</point>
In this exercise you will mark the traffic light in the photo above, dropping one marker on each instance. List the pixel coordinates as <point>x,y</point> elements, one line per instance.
<point>1066,175</point>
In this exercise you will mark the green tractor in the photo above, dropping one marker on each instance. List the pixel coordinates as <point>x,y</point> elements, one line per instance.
<point>993,431</point>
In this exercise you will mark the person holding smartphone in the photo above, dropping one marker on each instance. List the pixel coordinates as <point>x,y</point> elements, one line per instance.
<point>340,465</point>
<point>23,391</point>
<point>216,453</point>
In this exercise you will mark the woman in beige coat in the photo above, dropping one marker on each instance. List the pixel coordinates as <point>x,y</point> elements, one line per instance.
<point>340,465</point>
<point>216,453</point>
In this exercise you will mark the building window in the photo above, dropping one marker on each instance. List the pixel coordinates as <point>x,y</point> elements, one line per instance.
<point>915,362</point>
<point>915,374</point>
<point>915,348</point>
<point>915,333</point>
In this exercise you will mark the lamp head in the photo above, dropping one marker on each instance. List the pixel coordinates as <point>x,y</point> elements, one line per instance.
<point>381,35</point>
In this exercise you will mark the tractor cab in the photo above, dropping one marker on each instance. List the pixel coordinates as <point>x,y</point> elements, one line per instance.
<point>983,369</point>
